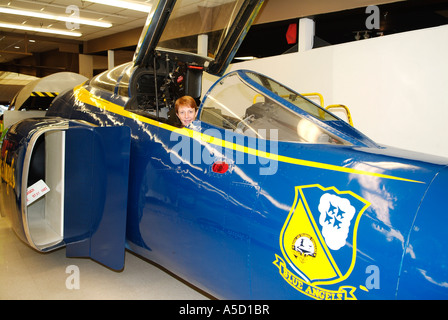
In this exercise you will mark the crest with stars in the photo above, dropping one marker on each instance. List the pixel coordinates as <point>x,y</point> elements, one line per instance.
<point>318,239</point>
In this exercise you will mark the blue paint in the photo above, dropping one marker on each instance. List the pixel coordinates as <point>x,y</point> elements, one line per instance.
<point>253,231</point>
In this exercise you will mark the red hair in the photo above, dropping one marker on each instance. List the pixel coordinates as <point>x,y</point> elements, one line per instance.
<point>185,101</point>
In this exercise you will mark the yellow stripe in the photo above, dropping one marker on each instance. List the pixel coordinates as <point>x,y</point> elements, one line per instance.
<point>84,96</point>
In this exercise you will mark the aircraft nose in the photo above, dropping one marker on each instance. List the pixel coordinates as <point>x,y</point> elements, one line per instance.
<point>424,273</point>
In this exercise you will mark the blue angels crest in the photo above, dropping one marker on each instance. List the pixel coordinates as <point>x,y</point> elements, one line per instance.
<point>319,237</point>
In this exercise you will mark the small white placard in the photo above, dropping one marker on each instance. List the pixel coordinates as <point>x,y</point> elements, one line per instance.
<point>36,191</point>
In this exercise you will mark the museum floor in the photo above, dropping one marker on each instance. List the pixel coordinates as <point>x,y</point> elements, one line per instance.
<point>28,274</point>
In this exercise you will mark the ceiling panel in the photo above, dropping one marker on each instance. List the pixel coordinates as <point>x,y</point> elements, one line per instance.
<point>126,20</point>
<point>122,18</point>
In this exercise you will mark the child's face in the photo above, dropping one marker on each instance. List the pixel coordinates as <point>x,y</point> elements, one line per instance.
<point>186,114</point>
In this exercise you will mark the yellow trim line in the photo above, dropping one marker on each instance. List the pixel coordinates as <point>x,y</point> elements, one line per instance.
<point>84,96</point>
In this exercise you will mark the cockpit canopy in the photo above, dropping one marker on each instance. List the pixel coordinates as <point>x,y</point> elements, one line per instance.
<point>209,21</point>
<point>252,104</point>
<point>213,29</point>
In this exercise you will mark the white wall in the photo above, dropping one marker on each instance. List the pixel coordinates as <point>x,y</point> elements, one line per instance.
<point>395,86</point>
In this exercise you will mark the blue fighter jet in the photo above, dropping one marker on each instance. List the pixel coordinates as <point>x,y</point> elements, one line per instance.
<point>225,201</point>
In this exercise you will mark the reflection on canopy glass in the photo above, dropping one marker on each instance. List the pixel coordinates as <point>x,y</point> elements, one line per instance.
<point>233,104</point>
<point>212,19</point>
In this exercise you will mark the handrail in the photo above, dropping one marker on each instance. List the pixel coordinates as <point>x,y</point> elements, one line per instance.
<point>321,98</point>
<point>349,117</point>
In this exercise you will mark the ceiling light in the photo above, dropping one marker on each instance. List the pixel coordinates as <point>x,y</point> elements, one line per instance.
<point>124,5</point>
<point>44,30</point>
<point>55,17</point>
<point>246,58</point>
